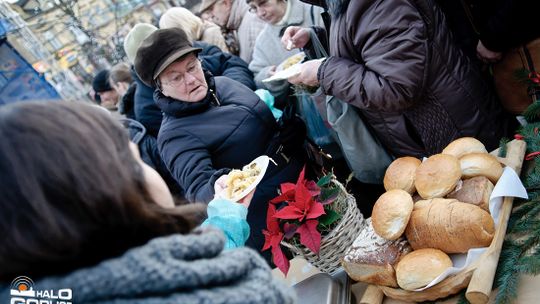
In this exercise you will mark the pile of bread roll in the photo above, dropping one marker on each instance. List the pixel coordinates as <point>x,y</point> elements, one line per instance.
<point>439,206</point>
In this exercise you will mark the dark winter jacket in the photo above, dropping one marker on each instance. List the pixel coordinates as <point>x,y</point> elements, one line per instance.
<point>146,110</point>
<point>150,154</point>
<point>499,24</point>
<point>201,141</point>
<point>411,83</point>
<point>126,105</point>
<point>213,60</point>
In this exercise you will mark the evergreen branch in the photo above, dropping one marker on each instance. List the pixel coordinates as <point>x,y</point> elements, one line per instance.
<point>508,287</point>
<point>502,147</point>
<point>462,299</point>
<point>530,264</point>
<point>532,112</point>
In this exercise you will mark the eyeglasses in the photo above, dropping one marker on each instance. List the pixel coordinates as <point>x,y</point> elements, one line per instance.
<point>254,7</point>
<point>177,79</point>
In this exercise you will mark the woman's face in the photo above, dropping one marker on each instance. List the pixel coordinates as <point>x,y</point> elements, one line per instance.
<point>155,185</point>
<point>184,80</point>
<point>269,11</point>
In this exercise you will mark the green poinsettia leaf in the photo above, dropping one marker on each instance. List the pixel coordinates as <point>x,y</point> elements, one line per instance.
<point>329,195</point>
<point>325,180</point>
<point>329,218</point>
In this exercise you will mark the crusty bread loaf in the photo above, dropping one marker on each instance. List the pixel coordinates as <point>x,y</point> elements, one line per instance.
<point>420,267</point>
<point>480,164</point>
<point>463,146</point>
<point>424,203</point>
<point>371,258</point>
<point>476,191</point>
<point>451,226</point>
<point>391,213</point>
<point>437,176</point>
<point>400,174</point>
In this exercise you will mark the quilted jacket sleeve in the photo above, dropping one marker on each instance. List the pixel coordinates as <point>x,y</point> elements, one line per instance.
<point>387,68</point>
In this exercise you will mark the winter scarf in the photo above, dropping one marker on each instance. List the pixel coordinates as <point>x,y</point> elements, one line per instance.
<point>174,269</point>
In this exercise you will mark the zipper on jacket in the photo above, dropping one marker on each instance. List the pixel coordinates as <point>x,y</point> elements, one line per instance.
<point>216,101</point>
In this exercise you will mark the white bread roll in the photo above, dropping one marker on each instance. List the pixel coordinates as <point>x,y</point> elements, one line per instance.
<point>437,176</point>
<point>463,146</point>
<point>420,267</point>
<point>391,214</point>
<point>479,164</point>
<point>400,174</point>
<point>371,258</point>
<point>476,191</point>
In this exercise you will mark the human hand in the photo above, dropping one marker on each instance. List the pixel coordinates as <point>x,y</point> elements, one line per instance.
<point>295,37</point>
<point>272,71</point>
<point>487,55</point>
<point>308,74</point>
<point>220,186</point>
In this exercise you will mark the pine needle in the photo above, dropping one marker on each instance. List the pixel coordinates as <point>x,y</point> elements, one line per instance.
<point>532,112</point>
<point>502,147</point>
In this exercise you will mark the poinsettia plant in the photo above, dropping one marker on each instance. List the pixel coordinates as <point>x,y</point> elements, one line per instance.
<point>302,212</point>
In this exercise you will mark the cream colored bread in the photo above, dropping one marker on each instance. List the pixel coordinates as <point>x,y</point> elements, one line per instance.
<point>425,203</point>
<point>371,259</point>
<point>463,146</point>
<point>451,226</point>
<point>437,176</point>
<point>479,164</point>
<point>420,267</point>
<point>476,191</point>
<point>400,174</point>
<point>391,213</point>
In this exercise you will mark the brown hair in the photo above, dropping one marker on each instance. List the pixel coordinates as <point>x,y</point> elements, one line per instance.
<point>120,73</point>
<point>72,192</point>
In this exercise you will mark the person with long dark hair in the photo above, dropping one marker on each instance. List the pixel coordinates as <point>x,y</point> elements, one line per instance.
<point>80,210</point>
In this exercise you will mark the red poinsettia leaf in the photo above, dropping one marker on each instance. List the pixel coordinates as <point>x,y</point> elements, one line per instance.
<point>309,236</point>
<point>289,213</point>
<point>267,240</point>
<point>290,230</point>
<point>271,222</point>
<point>286,187</point>
<point>302,198</point>
<point>285,197</point>
<point>280,259</point>
<point>316,210</point>
<point>313,188</point>
<point>301,179</point>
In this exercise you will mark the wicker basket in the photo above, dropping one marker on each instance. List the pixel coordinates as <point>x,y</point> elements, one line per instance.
<point>337,241</point>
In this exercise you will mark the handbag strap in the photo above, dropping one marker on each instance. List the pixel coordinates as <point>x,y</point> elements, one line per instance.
<point>318,48</point>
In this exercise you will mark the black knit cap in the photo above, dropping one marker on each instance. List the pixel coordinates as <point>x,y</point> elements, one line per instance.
<point>101,82</point>
<point>159,50</point>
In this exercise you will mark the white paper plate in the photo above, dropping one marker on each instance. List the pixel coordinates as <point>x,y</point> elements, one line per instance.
<point>262,163</point>
<point>284,74</point>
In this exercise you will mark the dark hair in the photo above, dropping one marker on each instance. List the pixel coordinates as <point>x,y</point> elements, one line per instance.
<point>72,192</point>
<point>120,73</point>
